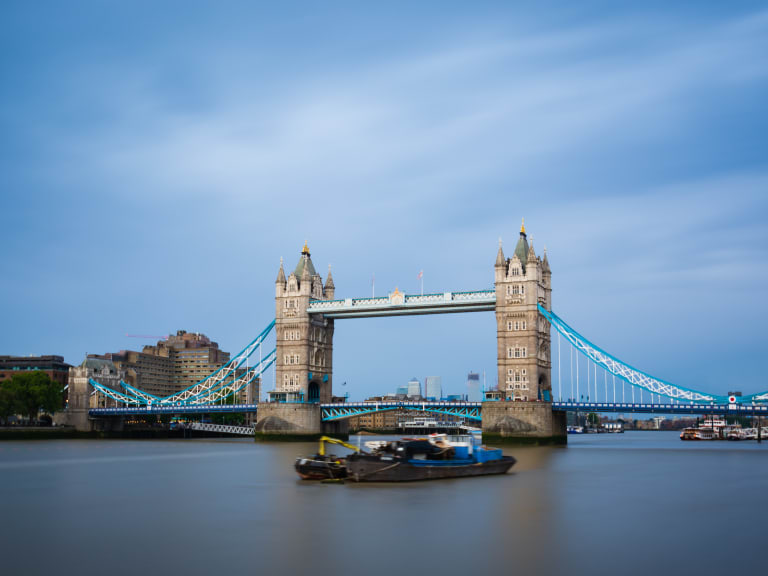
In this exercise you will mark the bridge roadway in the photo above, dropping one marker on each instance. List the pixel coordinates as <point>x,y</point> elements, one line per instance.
<point>165,409</point>
<point>467,410</point>
<point>662,408</point>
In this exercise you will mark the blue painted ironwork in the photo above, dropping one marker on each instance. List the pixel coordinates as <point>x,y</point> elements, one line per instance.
<point>186,409</point>
<point>115,394</point>
<point>215,379</point>
<point>625,371</point>
<point>467,410</point>
<point>406,304</point>
<point>473,409</point>
<point>219,385</point>
<point>142,396</point>
<point>664,408</point>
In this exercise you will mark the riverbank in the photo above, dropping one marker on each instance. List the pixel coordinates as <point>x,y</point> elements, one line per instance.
<point>69,433</point>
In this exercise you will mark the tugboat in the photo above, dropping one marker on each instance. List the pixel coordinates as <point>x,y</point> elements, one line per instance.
<point>322,466</point>
<point>435,457</point>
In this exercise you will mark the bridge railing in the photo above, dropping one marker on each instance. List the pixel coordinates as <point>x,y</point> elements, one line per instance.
<point>414,300</point>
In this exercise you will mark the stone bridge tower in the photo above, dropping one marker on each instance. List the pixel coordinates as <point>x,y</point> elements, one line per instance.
<point>304,363</point>
<point>523,336</point>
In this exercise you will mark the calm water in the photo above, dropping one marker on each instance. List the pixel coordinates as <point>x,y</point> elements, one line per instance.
<point>635,503</point>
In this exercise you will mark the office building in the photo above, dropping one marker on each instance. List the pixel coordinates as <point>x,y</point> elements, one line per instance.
<point>174,364</point>
<point>474,392</point>
<point>414,388</point>
<point>433,389</point>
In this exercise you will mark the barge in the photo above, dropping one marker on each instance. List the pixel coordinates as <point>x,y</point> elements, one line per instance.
<point>436,457</point>
<point>324,466</point>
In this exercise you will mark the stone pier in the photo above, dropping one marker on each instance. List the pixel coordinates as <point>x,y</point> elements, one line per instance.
<point>295,421</point>
<point>523,422</point>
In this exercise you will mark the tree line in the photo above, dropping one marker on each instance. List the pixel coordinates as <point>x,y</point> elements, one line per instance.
<point>28,394</point>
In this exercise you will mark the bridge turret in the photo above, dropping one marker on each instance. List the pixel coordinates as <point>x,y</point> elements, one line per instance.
<point>501,264</point>
<point>524,366</point>
<point>280,282</point>
<point>330,288</point>
<point>304,343</point>
<point>546,278</point>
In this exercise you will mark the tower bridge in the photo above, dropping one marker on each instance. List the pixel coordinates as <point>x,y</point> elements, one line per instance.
<point>529,402</point>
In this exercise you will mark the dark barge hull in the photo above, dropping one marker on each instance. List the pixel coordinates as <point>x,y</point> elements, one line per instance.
<point>373,469</point>
<point>319,469</point>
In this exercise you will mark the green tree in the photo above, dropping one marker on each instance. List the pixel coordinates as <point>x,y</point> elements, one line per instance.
<point>7,402</point>
<point>593,419</point>
<point>35,391</point>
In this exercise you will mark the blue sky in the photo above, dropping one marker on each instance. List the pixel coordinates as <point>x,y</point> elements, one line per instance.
<point>157,160</point>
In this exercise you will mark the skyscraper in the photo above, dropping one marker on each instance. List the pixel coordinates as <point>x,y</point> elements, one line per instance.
<point>433,389</point>
<point>414,388</point>
<point>474,393</point>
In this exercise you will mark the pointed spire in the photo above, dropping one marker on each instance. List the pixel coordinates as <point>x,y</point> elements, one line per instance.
<point>305,250</point>
<point>545,261</point>
<point>281,273</point>
<point>500,255</point>
<point>531,253</point>
<point>522,228</point>
<point>329,279</point>
<point>521,249</point>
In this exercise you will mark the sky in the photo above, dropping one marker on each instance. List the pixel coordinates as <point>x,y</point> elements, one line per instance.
<point>158,159</point>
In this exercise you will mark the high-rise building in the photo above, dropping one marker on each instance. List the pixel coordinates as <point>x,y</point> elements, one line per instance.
<point>402,391</point>
<point>474,393</point>
<point>433,389</point>
<point>414,388</point>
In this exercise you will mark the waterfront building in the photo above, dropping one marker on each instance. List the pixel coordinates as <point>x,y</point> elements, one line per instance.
<point>402,391</point>
<point>53,366</point>
<point>474,393</point>
<point>414,388</point>
<point>523,336</point>
<point>433,389</point>
<point>173,364</point>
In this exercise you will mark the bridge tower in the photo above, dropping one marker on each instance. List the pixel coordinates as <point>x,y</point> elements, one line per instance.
<point>304,364</point>
<point>522,334</point>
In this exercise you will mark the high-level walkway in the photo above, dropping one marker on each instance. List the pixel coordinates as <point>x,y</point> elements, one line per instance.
<point>406,304</point>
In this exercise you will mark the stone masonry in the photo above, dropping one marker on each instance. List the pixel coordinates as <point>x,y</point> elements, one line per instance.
<point>304,343</point>
<point>522,333</point>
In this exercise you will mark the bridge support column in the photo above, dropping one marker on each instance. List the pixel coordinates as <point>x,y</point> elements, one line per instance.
<point>299,422</point>
<point>523,422</point>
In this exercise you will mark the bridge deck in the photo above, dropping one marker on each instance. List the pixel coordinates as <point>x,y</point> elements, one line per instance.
<point>406,304</point>
<point>162,409</point>
<point>469,410</point>
<point>733,409</point>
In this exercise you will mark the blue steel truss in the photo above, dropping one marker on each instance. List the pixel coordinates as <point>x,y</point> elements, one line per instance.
<point>115,395</point>
<point>197,392</point>
<point>625,371</point>
<point>467,410</point>
<point>219,385</point>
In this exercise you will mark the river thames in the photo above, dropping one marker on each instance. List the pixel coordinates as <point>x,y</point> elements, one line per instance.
<point>633,503</point>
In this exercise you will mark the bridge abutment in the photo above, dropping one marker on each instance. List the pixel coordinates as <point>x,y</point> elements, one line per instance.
<point>295,421</point>
<point>523,422</point>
